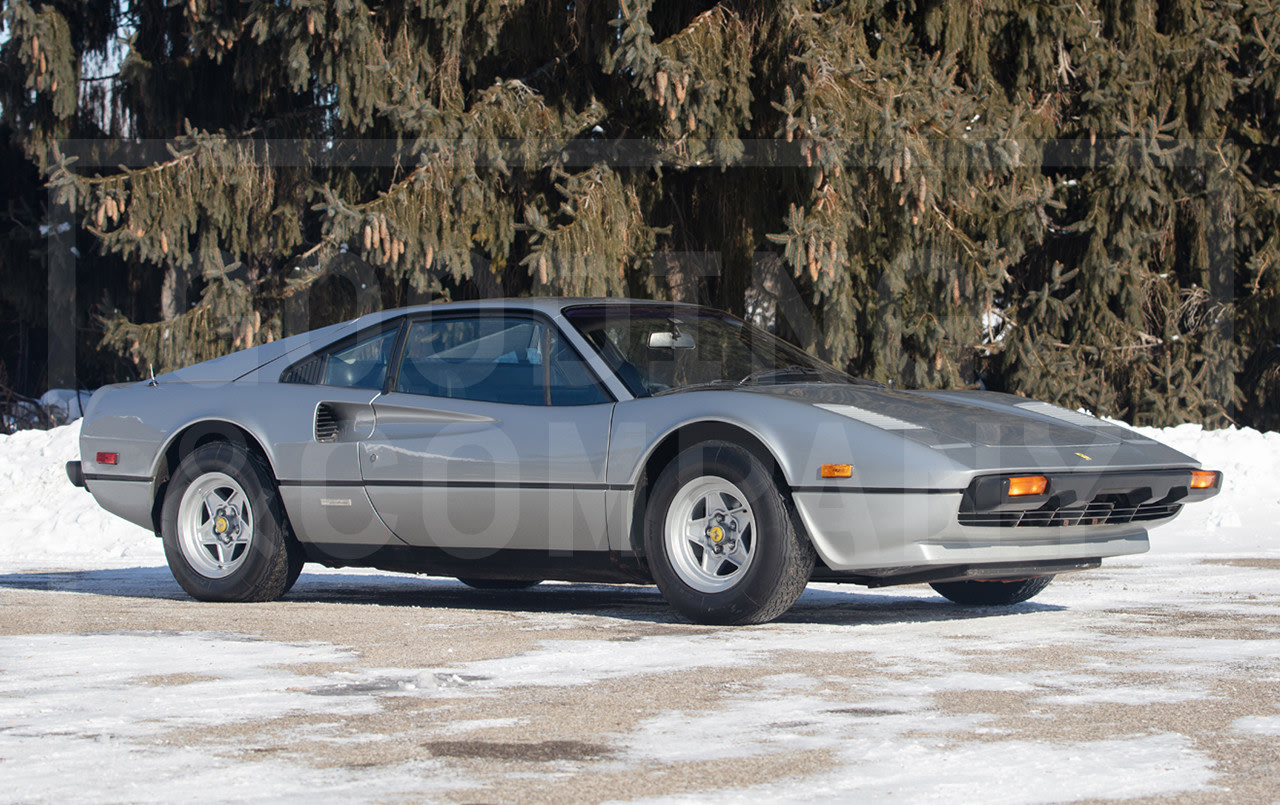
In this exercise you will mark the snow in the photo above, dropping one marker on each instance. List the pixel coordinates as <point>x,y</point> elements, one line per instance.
<point>75,707</point>
<point>71,716</point>
<point>49,522</point>
<point>1242,518</point>
<point>226,679</point>
<point>1012,772</point>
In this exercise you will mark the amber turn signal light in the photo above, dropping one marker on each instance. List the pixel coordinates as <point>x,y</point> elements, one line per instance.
<point>1204,479</point>
<point>836,471</point>
<point>1023,485</point>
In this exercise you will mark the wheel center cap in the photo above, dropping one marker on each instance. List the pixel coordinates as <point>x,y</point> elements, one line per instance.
<point>220,525</point>
<point>716,534</point>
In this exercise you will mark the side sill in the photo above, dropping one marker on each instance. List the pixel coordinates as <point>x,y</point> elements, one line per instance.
<point>602,567</point>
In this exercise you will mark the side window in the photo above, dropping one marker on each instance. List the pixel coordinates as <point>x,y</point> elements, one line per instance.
<point>362,364</point>
<point>571,381</point>
<point>505,359</point>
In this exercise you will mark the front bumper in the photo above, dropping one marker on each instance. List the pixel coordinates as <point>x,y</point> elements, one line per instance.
<point>883,534</point>
<point>1082,516</point>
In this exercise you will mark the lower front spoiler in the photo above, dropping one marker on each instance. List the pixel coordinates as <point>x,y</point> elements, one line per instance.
<point>1005,571</point>
<point>886,534</point>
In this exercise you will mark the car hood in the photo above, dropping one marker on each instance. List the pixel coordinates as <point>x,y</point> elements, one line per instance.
<point>959,418</point>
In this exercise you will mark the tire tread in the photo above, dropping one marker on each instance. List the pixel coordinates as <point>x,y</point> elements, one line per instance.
<point>993,593</point>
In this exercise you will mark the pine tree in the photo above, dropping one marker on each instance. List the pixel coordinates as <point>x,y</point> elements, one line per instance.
<point>1072,200</point>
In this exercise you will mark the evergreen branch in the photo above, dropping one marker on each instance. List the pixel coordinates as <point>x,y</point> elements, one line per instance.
<point>965,241</point>
<point>1263,41</point>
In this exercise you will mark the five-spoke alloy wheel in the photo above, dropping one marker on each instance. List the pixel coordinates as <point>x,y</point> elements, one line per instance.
<point>225,532</point>
<point>710,534</point>
<point>720,539</point>
<point>215,525</point>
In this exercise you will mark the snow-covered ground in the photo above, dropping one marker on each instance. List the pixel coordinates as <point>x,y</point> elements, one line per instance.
<point>1120,683</point>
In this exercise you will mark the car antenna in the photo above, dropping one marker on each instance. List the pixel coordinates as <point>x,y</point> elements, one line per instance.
<point>152,368</point>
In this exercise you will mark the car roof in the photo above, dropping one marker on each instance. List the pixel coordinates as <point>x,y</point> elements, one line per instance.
<point>549,305</point>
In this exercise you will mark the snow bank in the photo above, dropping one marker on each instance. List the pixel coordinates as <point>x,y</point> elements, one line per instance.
<point>48,523</point>
<point>1242,519</point>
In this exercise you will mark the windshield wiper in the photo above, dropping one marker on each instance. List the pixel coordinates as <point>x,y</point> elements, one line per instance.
<point>795,369</point>
<point>765,374</point>
<point>695,386</point>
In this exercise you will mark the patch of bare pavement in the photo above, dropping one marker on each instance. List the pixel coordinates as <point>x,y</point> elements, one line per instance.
<point>1149,682</point>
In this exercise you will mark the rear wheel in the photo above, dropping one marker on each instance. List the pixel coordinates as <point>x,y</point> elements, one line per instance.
<point>226,536</point>
<point>991,593</point>
<point>720,540</point>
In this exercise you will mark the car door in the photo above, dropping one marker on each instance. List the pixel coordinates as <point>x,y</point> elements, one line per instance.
<point>323,407</point>
<point>493,435</point>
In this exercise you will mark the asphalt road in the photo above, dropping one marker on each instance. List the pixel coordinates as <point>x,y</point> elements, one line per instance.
<point>1149,682</point>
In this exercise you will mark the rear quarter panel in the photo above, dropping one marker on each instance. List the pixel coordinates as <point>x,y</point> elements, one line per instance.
<point>141,421</point>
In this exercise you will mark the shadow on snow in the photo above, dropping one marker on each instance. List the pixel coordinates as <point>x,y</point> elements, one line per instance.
<point>820,604</point>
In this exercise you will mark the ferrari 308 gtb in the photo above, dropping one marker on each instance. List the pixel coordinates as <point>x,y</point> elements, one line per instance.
<point>511,441</point>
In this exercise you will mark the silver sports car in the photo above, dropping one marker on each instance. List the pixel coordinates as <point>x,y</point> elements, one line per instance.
<point>604,440</point>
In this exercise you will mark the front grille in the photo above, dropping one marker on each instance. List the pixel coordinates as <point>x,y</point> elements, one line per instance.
<point>1096,513</point>
<point>1078,499</point>
<point>326,423</point>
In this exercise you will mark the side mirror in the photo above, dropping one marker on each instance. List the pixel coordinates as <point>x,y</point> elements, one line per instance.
<point>676,340</point>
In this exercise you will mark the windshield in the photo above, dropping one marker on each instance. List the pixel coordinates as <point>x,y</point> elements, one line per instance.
<point>658,348</point>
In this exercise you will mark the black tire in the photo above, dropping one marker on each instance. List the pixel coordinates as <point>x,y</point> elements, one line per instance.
<point>992,593</point>
<point>260,559</point>
<point>297,558</point>
<point>500,584</point>
<point>763,563</point>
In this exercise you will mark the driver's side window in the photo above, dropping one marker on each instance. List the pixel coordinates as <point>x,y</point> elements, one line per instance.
<point>495,358</point>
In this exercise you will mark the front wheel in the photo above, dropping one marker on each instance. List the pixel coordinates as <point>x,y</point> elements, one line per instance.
<point>720,540</point>
<point>991,593</point>
<point>226,536</point>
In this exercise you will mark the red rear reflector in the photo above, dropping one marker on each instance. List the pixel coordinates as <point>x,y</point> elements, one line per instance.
<point>836,471</point>
<point>108,458</point>
<point>1204,479</point>
<point>1022,485</point>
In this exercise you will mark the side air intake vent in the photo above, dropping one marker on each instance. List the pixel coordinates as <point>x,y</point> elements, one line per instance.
<point>326,423</point>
